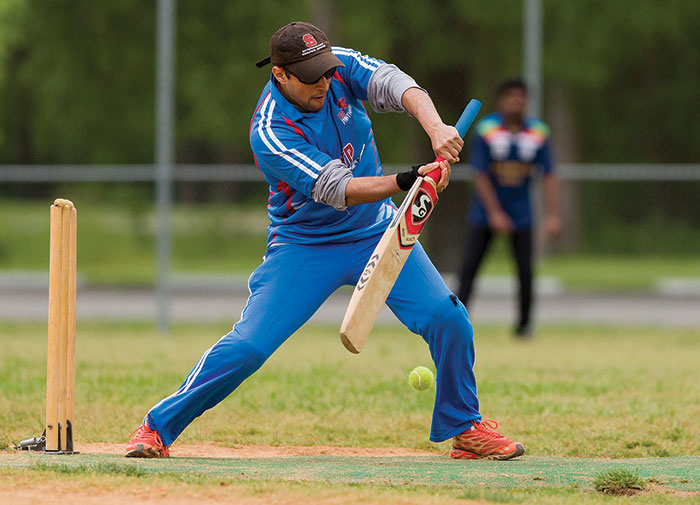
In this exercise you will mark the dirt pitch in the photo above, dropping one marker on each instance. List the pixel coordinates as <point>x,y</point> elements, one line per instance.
<point>211,450</point>
<point>284,475</point>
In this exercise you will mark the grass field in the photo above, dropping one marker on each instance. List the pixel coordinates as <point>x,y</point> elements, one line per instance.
<point>574,392</point>
<point>116,246</point>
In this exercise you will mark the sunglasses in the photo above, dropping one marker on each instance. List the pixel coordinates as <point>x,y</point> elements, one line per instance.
<point>328,74</point>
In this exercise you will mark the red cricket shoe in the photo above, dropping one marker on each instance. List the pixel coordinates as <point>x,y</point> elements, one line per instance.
<point>146,444</point>
<point>482,441</point>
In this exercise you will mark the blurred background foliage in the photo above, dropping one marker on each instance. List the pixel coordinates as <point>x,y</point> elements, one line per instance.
<point>77,76</point>
<point>621,84</point>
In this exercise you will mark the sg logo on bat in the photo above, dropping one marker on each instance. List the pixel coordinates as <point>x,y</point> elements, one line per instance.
<point>422,205</point>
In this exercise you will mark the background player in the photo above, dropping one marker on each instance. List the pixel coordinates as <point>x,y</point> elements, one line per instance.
<point>505,152</point>
<point>328,206</point>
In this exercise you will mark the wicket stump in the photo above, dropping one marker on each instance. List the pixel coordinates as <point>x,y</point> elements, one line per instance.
<point>60,362</point>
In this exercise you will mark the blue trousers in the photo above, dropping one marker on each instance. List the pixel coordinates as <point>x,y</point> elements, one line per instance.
<point>287,289</point>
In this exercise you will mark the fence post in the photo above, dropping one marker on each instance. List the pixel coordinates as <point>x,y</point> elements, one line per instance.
<point>532,74</point>
<point>532,54</point>
<point>165,73</point>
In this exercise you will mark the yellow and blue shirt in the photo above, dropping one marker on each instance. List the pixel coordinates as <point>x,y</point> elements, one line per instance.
<point>510,159</point>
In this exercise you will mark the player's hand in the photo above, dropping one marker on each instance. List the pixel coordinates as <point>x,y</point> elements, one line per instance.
<point>552,225</point>
<point>446,142</point>
<point>444,173</point>
<point>500,222</point>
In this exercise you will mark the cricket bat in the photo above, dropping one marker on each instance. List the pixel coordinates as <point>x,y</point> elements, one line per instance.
<point>390,255</point>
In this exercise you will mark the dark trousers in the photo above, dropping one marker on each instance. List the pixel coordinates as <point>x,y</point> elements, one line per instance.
<point>478,240</point>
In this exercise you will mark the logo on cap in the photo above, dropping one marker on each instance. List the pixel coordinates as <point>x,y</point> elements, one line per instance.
<point>309,40</point>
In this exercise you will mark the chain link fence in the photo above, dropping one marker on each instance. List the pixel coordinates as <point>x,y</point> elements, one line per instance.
<point>78,122</point>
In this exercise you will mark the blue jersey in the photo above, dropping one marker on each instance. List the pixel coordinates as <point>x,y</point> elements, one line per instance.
<point>510,160</point>
<point>291,147</point>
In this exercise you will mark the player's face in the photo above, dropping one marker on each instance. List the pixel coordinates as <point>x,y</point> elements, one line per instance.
<point>513,102</point>
<point>307,97</point>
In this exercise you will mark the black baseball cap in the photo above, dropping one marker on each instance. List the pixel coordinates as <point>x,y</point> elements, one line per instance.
<point>303,49</point>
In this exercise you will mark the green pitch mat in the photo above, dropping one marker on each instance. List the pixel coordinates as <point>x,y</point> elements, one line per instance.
<point>681,474</point>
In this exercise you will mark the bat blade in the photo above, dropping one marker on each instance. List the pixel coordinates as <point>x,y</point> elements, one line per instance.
<point>378,278</point>
<point>391,253</point>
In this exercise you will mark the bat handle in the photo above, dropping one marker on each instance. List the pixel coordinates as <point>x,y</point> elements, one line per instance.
<point>463,123</point>
<point>435,174</point>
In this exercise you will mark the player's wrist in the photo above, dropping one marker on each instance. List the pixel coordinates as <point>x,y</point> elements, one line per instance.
<point>406,179</point>
<point>434,128</point>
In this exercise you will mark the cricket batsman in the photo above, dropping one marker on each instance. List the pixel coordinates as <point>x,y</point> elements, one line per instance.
<point>328,206</point>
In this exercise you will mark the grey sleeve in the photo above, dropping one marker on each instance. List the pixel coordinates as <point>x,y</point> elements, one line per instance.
<point>386,87</point>
<point>329,187</point>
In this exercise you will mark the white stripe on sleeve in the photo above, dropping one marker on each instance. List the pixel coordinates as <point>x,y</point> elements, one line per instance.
<point>364,61</point>
<point>274,138</point>
<point>263,127</point>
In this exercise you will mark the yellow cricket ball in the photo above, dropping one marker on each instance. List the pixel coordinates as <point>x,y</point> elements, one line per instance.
<point>421,378</point>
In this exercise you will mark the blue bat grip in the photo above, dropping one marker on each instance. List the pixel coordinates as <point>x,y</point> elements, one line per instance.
<point>468,116</point>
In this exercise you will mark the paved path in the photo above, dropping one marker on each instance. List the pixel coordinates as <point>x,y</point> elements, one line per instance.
<point>30,303</point>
